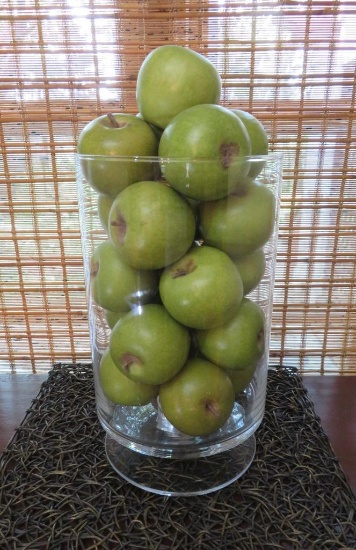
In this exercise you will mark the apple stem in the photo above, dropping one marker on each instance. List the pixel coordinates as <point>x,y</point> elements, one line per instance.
<point>114,123</point>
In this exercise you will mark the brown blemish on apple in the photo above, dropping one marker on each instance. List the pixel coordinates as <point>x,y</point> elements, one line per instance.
<point>261,338</point>
<point>212,408</point>
<point>228,151</point>
<point>94,269</point>
<point>184,269</point>
<point>113,123</point>
<point>127,360</point>
<point>120,226</point>
<point>239,192</point>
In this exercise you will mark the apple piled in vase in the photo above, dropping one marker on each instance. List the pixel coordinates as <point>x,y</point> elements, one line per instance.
<point>186,223</point>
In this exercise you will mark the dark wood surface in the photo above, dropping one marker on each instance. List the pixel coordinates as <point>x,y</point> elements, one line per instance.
<point>334,399</point>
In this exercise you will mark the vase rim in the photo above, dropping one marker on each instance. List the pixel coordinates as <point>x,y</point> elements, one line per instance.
<point>270,157</point>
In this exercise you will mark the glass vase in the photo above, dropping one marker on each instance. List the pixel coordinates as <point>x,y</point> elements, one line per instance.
<point>179,268</point>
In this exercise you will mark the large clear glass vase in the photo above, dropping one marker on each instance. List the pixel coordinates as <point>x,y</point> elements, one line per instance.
<point>179,260</point>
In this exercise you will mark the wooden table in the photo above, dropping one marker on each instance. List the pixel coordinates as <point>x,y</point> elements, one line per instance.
<point>334,398</point>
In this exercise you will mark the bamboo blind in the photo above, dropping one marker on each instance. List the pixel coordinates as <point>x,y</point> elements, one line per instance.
<point>289,62</point>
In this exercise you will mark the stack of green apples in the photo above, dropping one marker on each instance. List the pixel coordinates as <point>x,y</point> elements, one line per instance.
<point>186,222</point>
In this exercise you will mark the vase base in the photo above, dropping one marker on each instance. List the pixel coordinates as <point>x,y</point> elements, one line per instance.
<point>181,477</point>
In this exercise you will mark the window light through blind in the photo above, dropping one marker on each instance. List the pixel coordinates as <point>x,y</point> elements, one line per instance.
<point>291,63</point>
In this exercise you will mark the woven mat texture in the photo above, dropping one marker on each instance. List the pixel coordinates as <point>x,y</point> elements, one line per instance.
<point>57,490</point>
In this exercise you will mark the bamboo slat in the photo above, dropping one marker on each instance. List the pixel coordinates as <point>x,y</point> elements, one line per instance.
<point>291,64</point>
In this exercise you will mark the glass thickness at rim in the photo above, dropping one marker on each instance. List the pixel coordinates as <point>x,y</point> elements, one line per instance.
<point>271,157</point>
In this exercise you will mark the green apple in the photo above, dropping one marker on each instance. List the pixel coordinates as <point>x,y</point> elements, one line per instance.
<point>203,289</point>
<point>116,135</point>
<point>199,399</point>
<point>241,378</point>
<point>241,222</point>
<point>251,268</point>
<point>148,345</point>
<point>216,140</point>
<point>112,317</point>
<point>157,131</point>
<point>120,389</point>
<point>173,78</point>
<point>239,343</point>
<point>104,205</point>
<point>115,285</point>
<point>258,138</point>
<point>151,225</point>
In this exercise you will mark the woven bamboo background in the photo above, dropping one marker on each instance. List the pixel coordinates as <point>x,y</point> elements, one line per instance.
<point>291,63</point>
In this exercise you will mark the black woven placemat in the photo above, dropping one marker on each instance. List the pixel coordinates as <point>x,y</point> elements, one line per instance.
<point>57,490</point>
